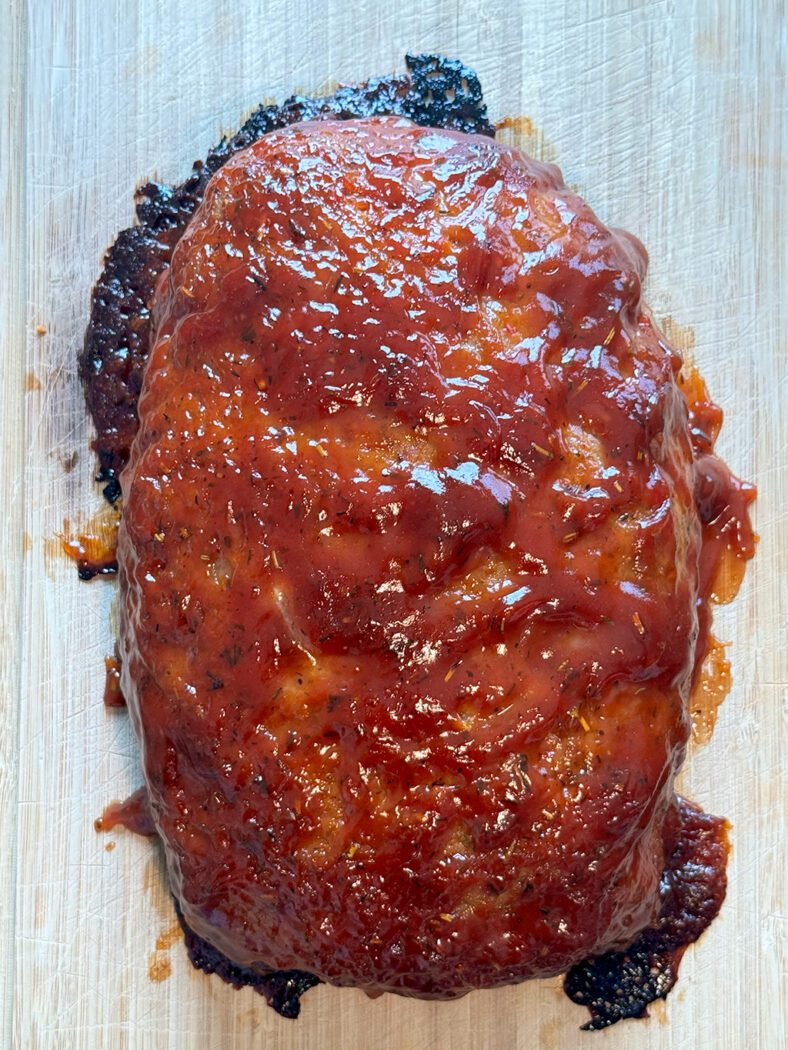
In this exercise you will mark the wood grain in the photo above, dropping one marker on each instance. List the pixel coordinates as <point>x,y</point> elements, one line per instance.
<point>12,409</point>
<point>671,118</point>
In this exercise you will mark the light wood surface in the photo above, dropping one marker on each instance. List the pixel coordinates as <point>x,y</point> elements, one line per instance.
<point>671,118</point>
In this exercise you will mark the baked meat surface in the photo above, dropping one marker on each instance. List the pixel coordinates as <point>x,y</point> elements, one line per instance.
<point>409,565</point>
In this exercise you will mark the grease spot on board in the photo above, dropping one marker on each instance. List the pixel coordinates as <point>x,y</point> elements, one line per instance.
<point>223,28</point>
<point>70,461</point>
<point>549,1035</point>
<point>658,1010</point>
<point>32,382</point>
<point>525,135</point>
<point>766,162</point>
<point>252,1018</point>
<point>154,882</point>
<point>330,86</point>
<point>682,336</point>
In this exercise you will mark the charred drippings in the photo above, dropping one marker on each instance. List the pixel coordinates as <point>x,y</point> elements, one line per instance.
<point>619,985</point>
<point>94,547</point>
<point>93,555</point>
<point>282,989</point>
<point>89,570</point>
<point>435,92</point>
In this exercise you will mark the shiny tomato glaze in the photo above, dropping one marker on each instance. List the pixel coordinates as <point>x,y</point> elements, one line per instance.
<point>410,565</point>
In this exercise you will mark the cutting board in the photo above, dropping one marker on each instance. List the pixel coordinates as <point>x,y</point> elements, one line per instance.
<point>671,119</point>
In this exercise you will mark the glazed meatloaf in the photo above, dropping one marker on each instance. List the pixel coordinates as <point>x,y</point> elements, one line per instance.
<point>416,544</point>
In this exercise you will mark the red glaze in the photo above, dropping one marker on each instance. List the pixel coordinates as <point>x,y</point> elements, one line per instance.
<point>113,697</point>
<point>410,565</point>
<point>133,814</point>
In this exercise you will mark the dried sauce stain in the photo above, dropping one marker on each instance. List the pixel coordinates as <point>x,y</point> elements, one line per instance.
<point>142,64</point>
<point>159,967</point>
<point>714,46</point>
<point>250,1020</point>
<point>712,685</point>
<point>518,126</point>
<point>170,936</point>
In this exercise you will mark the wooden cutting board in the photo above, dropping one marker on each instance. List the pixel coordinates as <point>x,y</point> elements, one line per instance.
<point>671,118</point>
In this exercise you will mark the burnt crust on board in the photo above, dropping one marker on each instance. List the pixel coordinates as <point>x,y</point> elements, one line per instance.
<point>282,989</point>
<point>435,92</point>
<point>618,985</point>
